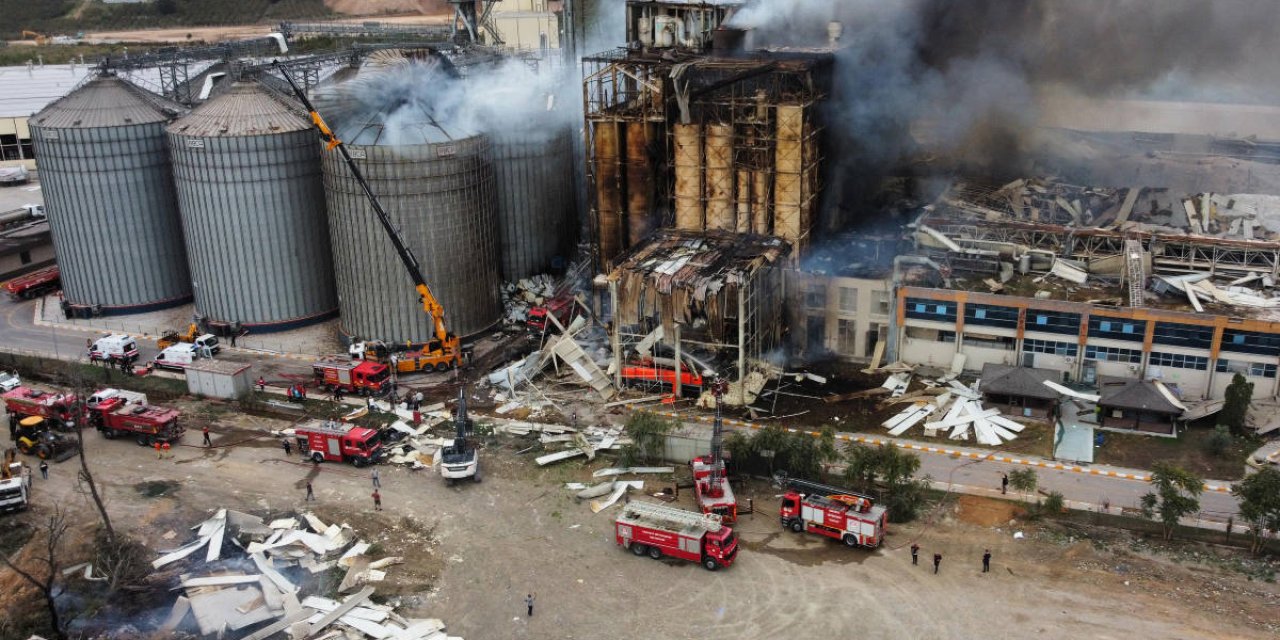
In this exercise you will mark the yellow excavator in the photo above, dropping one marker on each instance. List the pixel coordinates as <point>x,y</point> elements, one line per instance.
<point>40,38</point>
<point>445,350</point>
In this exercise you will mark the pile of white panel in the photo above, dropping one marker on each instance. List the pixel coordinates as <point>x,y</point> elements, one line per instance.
<point>962,415</point>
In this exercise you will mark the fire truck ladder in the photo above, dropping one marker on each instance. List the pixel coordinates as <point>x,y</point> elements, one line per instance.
<point>823,489</point>
<point>672,515</point>
<point>1134,270</point>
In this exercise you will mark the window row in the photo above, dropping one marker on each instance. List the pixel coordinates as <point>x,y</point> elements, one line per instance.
<point>1048,346</point>
<point>1113,354</point>
<point>1179,361</point>
<point>1247,368</point>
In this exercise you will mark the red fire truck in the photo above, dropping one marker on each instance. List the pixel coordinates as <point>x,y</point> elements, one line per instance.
<point>118,414</point>
<point>710,481</point>
<point>23,402</point>
<point>849,517</point>
<point>361,377</point>
<point>657,530</point>
<point>339,442</point>
<point>34,284</point>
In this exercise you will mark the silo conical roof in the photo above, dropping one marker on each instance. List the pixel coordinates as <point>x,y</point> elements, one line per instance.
<point>245,109</point>
<point>106,101</point>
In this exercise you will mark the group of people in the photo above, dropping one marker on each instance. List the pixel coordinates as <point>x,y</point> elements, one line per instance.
<point>937,558</point>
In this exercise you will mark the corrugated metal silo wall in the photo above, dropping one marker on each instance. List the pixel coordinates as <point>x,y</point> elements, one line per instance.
<point>253,213</point>
<point>110,197</point>
<point>442,198</point>
<point>537,215</point>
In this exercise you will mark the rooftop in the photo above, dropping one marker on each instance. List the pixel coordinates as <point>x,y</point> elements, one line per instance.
<point>1137,395</point>
<point>1023,382</point>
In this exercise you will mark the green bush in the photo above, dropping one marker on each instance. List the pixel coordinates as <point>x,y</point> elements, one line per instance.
<point>648,433</point>
<point>1219,442</point>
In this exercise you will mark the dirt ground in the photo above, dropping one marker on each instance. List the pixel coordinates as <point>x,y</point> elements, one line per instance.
<point>475,550</point>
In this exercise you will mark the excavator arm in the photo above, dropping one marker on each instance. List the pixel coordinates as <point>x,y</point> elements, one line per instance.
<point>429,303</point>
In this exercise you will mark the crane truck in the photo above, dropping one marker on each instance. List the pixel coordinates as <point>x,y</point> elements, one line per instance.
<point>850,517</point>
<point>461,459</point>
<point>658,530</point>
<point>710,483</point>
<point>444,351</point>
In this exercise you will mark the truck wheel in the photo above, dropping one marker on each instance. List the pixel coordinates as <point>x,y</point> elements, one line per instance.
<point>441,367</point>
<point>639,549</point>
<point>144,441</point>
<point>797,526</point>
<point>710,564</point>
<point>317,457</point>
<point>655,553</point>
<point>359,462</point>
<point>850,540</point>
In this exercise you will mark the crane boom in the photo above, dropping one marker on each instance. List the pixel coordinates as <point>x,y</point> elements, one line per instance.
<point>429,303</point>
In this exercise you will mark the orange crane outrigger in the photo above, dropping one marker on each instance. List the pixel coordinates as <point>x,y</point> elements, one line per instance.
<point>446,350</point>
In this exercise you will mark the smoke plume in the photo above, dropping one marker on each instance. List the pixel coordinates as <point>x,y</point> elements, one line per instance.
<point>965,79</point>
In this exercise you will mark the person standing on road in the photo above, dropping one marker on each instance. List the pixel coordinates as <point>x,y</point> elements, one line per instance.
<point>262,384</point>
<point>207,441</point>
<point>1004,484</point>
<point>528,602</point>
<point>164,448</point>
<point>377,500</point>
<point>311,494</point>
<point>44,469</point>
<point>937,561</point>
<point>915,554</point>
<point>288,447</point>
<point>986,561</point>
<point>377,480</point>
<point>159,453</point>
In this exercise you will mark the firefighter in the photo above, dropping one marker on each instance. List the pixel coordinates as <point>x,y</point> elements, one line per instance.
<point>377,500</point>
<point>207,441</point>
<point>165,447</point>
<point>986,561</point>
<point>262,385</point>
<point>159,453</point>
<point>288,447</point>
<point>915,553</point>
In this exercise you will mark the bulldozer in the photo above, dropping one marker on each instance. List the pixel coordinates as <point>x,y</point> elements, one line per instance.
<point>35,437</point>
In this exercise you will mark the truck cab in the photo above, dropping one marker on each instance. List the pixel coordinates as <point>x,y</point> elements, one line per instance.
<point>336,442</point>
<point>207,342</point>
<point>114,347</point>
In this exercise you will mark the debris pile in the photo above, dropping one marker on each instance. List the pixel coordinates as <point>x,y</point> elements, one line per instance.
<point>961,410</point>
<point>417,449</point>
<point>235,592</point>
<point>524,294</point>
<point>611,490</point>
<point>574,443</point>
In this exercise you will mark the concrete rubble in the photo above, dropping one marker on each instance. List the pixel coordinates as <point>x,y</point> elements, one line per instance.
<point>261,582</point>
<point>524,294</point>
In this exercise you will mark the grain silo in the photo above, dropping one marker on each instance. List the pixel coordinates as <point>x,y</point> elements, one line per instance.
<point>437,186</point>
<point>247,170</point>
<point>536,204</point>
<point>108,191</point>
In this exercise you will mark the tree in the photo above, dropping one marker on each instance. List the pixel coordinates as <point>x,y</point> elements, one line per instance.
<point>1024,481</point>
<point>1054,502</point>
<point>166,7</point>
<point>648,432</point>
<point>1236,403</point>
<point>1259,496</point>
<point>1219,441</point>
<point>887,471</point>
<point>1177,493</point>
<point>48,567</point>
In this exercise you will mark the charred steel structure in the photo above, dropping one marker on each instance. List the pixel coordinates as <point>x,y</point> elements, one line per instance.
<point>686,129</point>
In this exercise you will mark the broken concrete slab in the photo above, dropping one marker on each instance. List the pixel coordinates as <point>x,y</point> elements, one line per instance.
<point>617,471</point>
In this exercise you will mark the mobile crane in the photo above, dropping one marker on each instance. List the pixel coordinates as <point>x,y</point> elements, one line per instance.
<point>445,351</point>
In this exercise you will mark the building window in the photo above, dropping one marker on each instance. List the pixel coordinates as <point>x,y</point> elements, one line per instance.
<point>1250,342</point>
<point>848,300</point>
<point>848,336</point>
<point>1179,361</point>
<point>882,301</point>
<point>1112,354</point>
<point>991,316</point>
<point>1053,322</point>
<point>1050,347</point>
<point>1182,335</point>
<point>25,257</point>
<point>990,342</point>
<point>9,147</point>
<point>1117,329</point>
<point>815,296</point>
<point>1247,368</point>
<point>931,310</point>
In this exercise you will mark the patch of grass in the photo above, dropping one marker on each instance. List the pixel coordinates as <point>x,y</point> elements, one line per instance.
<point>1189,451</point>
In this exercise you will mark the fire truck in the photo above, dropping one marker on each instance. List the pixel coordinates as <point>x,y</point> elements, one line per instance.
<point>852,518</point>
<point>120,414</point>
<point>710,482</point>
<point>23,402</point>
<point>657,530</point>
<point>35,284</point>
<point>339,442</point>
<point>361,377</point>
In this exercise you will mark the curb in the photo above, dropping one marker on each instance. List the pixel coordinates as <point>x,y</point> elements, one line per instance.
<point>993,456</point>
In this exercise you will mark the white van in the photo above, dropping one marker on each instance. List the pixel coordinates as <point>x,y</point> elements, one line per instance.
<point>177,357</point>
<point>129,397</point>
<point>208,341</point>
<point>117,347</point>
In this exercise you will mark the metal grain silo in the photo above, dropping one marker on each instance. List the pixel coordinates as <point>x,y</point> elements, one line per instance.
<point>439,191</point>
<point>537,216</point>
<point>108,191</point>
<point>248,175</point>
